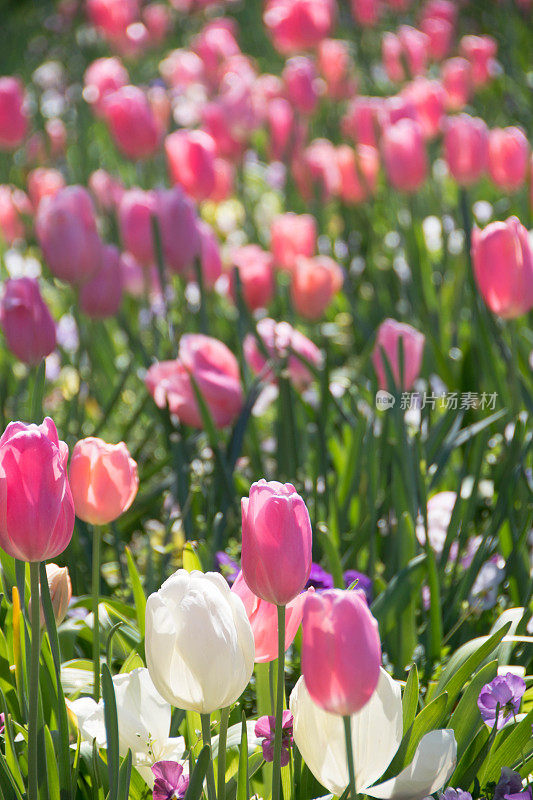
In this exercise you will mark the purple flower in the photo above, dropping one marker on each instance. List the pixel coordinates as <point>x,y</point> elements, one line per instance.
<point>364,583</point>
<point>319,578</point>
<point>265,729</point>
<point>455,794</point>
<point>2,723</point>
<point>504,691</point>
<point>485,589</point>
<point>510,787</point>
<point>227,566</point>
<point>170,782</point>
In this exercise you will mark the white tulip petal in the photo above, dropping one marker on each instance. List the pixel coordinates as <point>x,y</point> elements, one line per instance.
<point>433,763</point>
<point>90,719</point>
<point>376,735</point>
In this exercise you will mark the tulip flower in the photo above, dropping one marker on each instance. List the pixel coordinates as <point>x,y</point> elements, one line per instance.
<point>65,226</point>
<point>508,158</point>
<point>103,77</point>
<point>210,260</point>
<point>14,203</point>
<point>466,148</point>
<point>358,171</point>
<point>428,98</point>
<point>407,45</point>
<point>341,650</point>
<point>132,122</point>
<point>376,732</point>
<point>335,66</point>
<point>300,80</point>
<point>404,155</point>
<point>391,336</point>
<point>60,589</point>
<point>44,182</point>
<point>503,267</point>
<point>26,321</point>
<point>13,116</point>
<point>298,24</point>
<point>360,123</point>
<point>106,189</point>
<point>143,722</point>
<point>440,34</point>
<point>263,619</point>
<point>480,51</point>
<point>292,235</point>
<point>191,160</point>
<point>314,284</point>
<point>456,76</point>
<point>193,614</point>
<point>256,275</point>
<point>283,343</point>
<point>366,12</point>
<point>101,295</point>
<point>439,513</point>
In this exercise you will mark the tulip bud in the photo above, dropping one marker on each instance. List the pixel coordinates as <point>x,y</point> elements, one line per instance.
<point>503,267</point>
<point>132,123</point>
<point>292,235</point>
<point>456,75</point>
<point>391,336</point>
<point>191,159</point>
<point>404,155</point>
<point>315,282</point>
<point>26,321</point>
<point>65,226</point>
<point>36,506</point>
<point>191,616</point>
<point>428,98</point>
<point>263,618</point>
<point>13,117</point>
<point>508,157</point>
<point>255,267</point>
<point>358,170</point>
<point>278,339</point>
<point>466,148</point>
<point>316,170</point>
<point>276,541</point>
<point>301,82</point>
<point>296,25</point>
<point>409,45</point>
<point>101,295</point>
<point>103,479</point>
<point>480,51</point>
<point>60,592</point>
<point>341,650</point>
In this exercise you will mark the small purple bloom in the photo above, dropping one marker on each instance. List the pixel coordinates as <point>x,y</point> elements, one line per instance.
<point>364,583</point>
<point>319,578</point>
<point>265,729</point>
<point>510,786</point>
<point>227,566</point>
<point>455,794</point>
<point>504,691</point>
<point>170,782</point>
<point>2,723</point>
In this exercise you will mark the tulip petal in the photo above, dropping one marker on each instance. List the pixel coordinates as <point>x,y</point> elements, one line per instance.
<point>433,763</point>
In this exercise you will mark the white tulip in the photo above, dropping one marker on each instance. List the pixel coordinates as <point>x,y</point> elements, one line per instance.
<point>199,642</point>
<point>143,722</point>
<point>376,735</point>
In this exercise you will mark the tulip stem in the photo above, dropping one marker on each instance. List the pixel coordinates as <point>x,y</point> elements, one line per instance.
<point>206,736</point>
<point>280,697</point>
<point>33,781</point>
<point>349,754</point>
<point>221,772</point>
<point>96,620</point>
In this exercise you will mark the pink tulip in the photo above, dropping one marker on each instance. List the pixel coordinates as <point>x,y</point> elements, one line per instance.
<point>135,212</point>
<point>366,12</point>
<point>315,282</point>
<point>156,17</point>
<point>103,479</point>
<point>112,17</point>
<point>456,75</point>
<point>409,45</point>
<point>404,156</point>
<point>14,204</point>
<point>106,189</point>
<point>182,68</point>
<point>44,182</point>
<point>286,132</point>
<point>218,126</point>
<point>101,295</point>
<point>191,160</point>
<point>335,66</point>
<point>276,542</point>
<point>103,77</point>
<point>215,44</point>
<point>428,98</point>
<point>466,141</point>
<point>341,650</point>
<point>216,372</point>
<point>210,260</point>
<point>282,343</point>
<point>315,171</point>
<point>503,267</point>
<point>224,180</point>
<point>26,321</point>
<point>256,274</point>
<point>395,108</point>
<point>292,235</point>
<point>300,79</point>
<point>13,116</point>
<point>441,9</point>
<point>358,170</point>
<point>360,123</point>
<point>132,123</point>
<point>65,226</point>
<point>296,25</point>
<point>440,35</point>
<point>263,618</point>
<point>391,337</point>
<point>36,506</point>
<point>480,51</point>
<point>508,158</point>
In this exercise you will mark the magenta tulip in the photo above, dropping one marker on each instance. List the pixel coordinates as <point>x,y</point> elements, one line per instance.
<point>466,148</point>
<point>392,335</point>
<point>26,321</point>
<point>404,156</point>
<point>13,117</point>
<point>101,295</point>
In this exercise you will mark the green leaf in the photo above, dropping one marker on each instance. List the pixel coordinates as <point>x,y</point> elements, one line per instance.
<point>38,393</point>
<point>475,750</point>
<point>242,779</point>
<point>52,773</point>
<point>196,782</point>
<point>124,777</point>
<point>398,593</point>
<point>191,560</point>
<point>466,718</point>
<point>508,753</point>
<point>111,728</point>
<point>410,698</point>
<point>138,591</point>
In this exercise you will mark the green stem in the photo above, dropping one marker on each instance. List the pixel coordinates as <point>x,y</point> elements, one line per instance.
<point>349,754</point>
<point>280,697</point>
<point>33,780</point>
<point>206,736</point>
<point>96,620</point>
<point>221,772</point>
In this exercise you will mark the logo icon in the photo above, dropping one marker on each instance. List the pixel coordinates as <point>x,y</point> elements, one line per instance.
<point>384,400</point>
